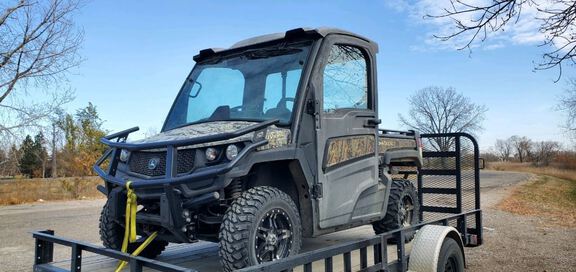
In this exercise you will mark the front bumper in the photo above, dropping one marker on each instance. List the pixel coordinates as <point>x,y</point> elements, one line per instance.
<point>174,192</point>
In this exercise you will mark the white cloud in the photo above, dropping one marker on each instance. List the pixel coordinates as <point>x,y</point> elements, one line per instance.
<point>493,46</point>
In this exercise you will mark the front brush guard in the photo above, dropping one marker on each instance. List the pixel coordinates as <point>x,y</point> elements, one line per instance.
<point>170,178</point>
<point>171,198</point>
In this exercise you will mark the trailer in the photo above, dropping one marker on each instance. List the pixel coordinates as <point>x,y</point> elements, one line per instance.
<point>448,187</point>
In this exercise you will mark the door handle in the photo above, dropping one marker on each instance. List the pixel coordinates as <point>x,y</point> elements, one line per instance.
<point>372,122</point>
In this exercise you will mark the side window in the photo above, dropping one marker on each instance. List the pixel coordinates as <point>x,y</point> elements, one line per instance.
<point>345,79</point>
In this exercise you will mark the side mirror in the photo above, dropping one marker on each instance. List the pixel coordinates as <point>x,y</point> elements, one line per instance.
<point>482,163</point>
<point>195,91</point>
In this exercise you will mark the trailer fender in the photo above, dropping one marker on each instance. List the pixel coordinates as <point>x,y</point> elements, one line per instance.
<point>427,244</point>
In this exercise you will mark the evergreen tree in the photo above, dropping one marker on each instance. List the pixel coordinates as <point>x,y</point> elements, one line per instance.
<point>29,161</point>
<point>33,158</point>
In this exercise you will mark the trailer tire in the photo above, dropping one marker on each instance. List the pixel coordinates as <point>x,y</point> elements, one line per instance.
<point>112,236</point>
<point>402,211</point>
<point>249,233</point>
<point>450,257</point>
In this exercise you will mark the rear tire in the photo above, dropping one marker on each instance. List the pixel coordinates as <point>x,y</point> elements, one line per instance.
<point>112,236</point>
<point>261,225</point>
<point>403,210</point>
<point>451,258</point>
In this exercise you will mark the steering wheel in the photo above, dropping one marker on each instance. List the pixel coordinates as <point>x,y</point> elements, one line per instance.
<point>282,102</point>
<point>236,109</point>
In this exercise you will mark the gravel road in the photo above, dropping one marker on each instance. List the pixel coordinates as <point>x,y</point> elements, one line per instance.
<point>514,242</point>
<point>519,243</point>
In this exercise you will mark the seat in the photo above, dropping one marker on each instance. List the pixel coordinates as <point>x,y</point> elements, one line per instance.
<point>281,112</point>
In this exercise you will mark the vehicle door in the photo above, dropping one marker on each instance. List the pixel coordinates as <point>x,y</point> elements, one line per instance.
<point>346,132</point>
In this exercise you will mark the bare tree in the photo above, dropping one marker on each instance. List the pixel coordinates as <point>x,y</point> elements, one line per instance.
<point>490,155</point>
<point>504,149</point>
<point>54,164</point>
<point>22,114</point>
<point>544,152</point>
<point>439,110</point>
<point>9,165</point>
<point>522,147</point>
<point>557,22</point>
<point>568,105</point>
<point>39,44</point>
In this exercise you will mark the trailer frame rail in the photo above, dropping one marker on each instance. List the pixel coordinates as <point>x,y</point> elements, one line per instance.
<point>45,241</point>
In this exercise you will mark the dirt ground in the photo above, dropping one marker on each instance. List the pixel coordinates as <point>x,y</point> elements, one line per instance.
<point>512,242</point>
<point>520,243</point>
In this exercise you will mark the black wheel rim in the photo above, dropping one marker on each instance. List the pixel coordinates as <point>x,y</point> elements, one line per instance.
<point>450,265</point>
<point>406,211</point>
<point>273,236</point>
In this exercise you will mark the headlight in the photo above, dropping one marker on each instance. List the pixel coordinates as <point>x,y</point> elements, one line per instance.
<point>124,155</point>
<point>211,153</point>
<point>231,152</point>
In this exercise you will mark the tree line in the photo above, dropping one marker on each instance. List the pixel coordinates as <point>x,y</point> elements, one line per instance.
<point>70,148</point>
<point>522,149</point>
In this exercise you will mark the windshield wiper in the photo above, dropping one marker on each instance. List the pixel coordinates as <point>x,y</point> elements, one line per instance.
<point>270,52</point>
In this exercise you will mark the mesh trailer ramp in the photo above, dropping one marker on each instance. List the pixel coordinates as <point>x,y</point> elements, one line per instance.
<point>448,186</point>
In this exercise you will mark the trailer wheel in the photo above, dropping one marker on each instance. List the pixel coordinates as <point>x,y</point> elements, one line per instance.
<point>437,249</point>
<point>450,258</point>
<point>112,235</point>
<point>261,225</point>
<point>403,209</point>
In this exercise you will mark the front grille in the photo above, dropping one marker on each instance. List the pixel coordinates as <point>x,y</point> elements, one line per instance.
<point>185,160</point>
<point>140,160</point>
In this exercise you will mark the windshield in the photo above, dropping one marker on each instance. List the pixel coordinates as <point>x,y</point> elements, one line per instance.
<point>255,85</point>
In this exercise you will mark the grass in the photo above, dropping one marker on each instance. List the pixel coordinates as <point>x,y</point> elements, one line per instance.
<point>18,191</point>
<point>567,174</point>
<point>551,196</point>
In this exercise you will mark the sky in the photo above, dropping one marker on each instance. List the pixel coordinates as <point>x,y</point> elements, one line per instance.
<point>138,53</point>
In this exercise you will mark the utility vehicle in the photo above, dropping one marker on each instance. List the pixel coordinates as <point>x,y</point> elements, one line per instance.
<point>273,139</point>
<point>270,140</point>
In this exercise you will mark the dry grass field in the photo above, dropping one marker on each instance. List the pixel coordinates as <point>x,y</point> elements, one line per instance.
<point>566,174</point>
<point>17,191</point>
<point>551,195</point>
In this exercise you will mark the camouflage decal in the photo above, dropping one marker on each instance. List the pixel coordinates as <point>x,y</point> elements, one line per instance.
<point>348,148</point>
<point>385,144</point>
<point>277,137</point>
<point>197,130</point>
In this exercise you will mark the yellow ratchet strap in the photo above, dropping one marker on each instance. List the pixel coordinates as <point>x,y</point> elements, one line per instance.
<point>130,229</point>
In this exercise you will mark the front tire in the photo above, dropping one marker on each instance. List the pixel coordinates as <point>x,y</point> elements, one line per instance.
<point>403,209</point>
<point>112,236</point>
<point>261,225</point>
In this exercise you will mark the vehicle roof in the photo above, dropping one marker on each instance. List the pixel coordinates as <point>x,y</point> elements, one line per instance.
<point>312,33</point>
